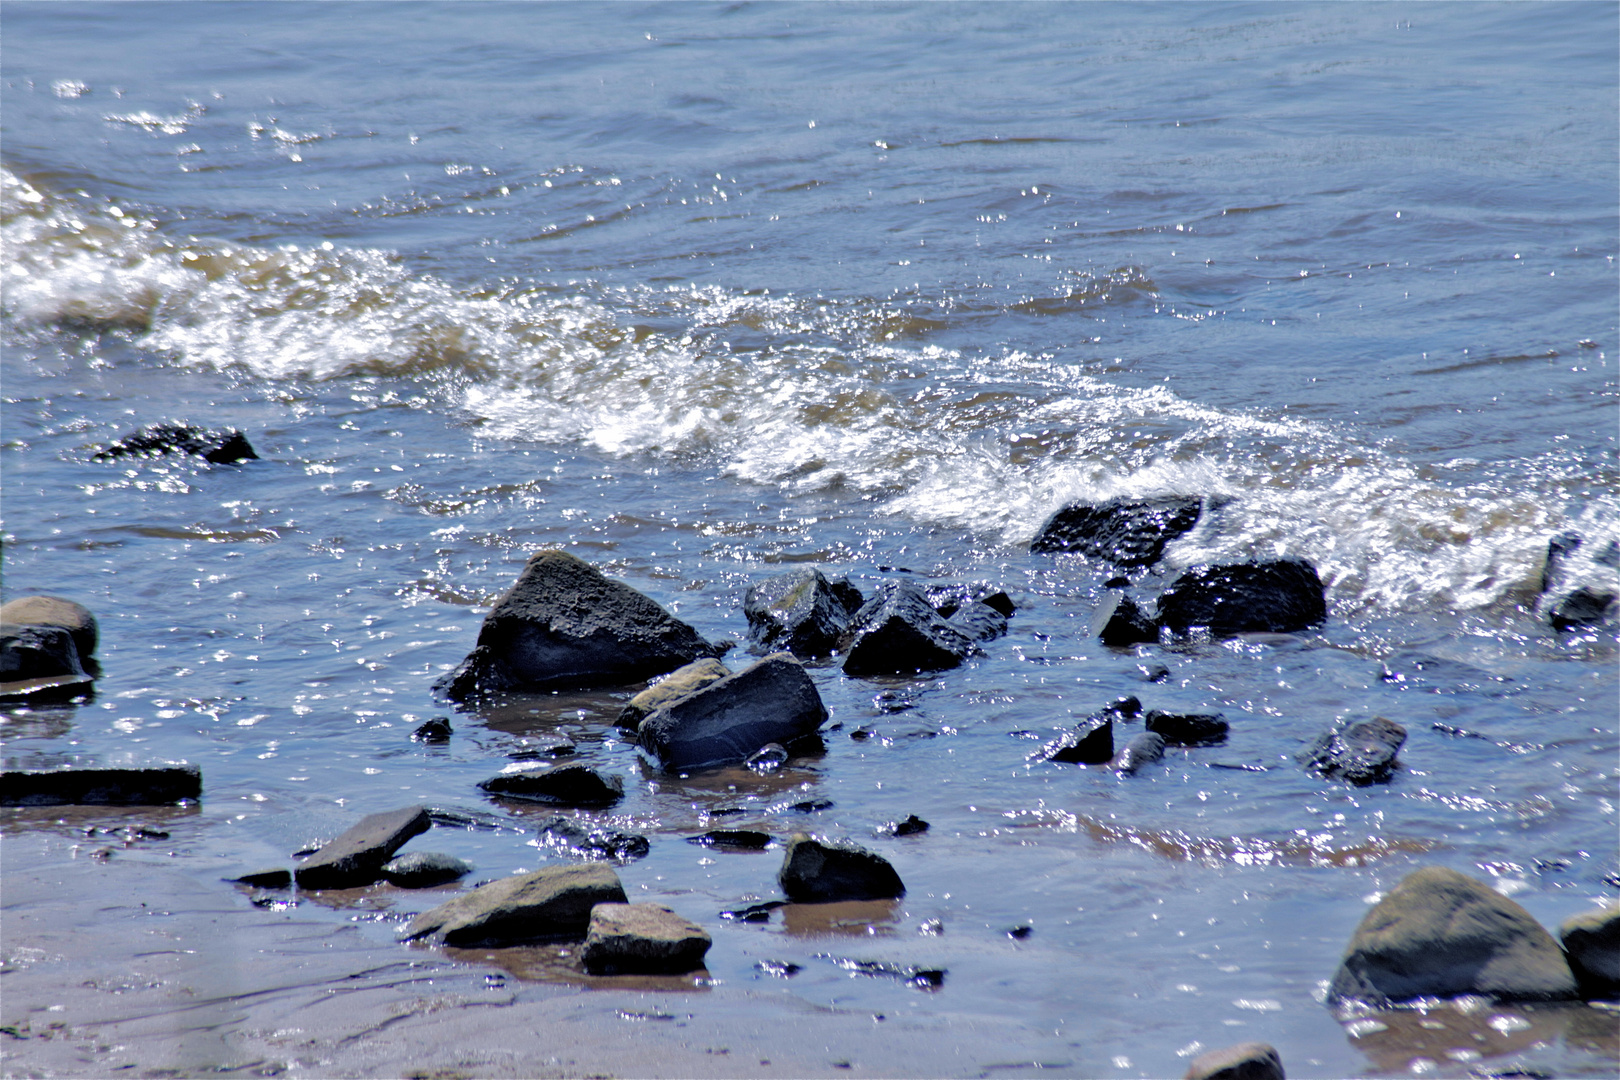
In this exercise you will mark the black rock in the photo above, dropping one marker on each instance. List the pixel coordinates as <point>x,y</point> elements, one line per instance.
<point>1119,623</point>
<point>911,826</point>
<point>814,871</point>
<point>1361,754</point>
<point>357,856</point>
<point>436,730</point>
<point>58,611</point>
<point>978,621</point>
<point>1123,531</point>
<point>772,701</point>
<point>1144,748</point>
<point>573,784</point>
<point>1591,941</point>
<point>799,612</point>
<point>424,869</point>
<point>810,806</point>
<point>583,840</point>
<point>37,652</point>
<point>947,600</point>
<point>1091,743</point>
<point>1126,708</point>
<point>736,839</point>
<point>670,688</point>
<point>1190,729</point>
<point>897,632</point>
<point>224,447</point>
<point>1583,607</point>
<point>156,786</point>
<point>1279,596</point>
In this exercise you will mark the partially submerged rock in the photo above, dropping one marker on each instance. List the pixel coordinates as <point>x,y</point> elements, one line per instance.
<point>573,784</point>
<point>357,857</point>
<point>643,939</point>
<point>69,615</point>
<point>1187,729</point>
<point>1125,532</point>
<point>1592,944</point>
<point>734,839</point>
<point>947,600</point>
<point>978,621</point>
<point>1442,934</point>
<point>671,688</point>
<point>1144,748</point>
<point>1568,605</point>
<point>1276,596</point>
<point>584,840</point>
<point>1361,754</point>
<point>1245,1061</point>
<point>898,632</point>
<point>1119,623</point>
<point>798,612</point>
<point>30,652</point>
<point>771,701</point>
<point>158,785</point>
<point>564,626</point>
<point>424,869</point>
<point>1585,606</point>
<point>550,903</point>
<point>1091,743</point>
<point>223,447</point>
<point>436,731</point>
<point>814,871</point>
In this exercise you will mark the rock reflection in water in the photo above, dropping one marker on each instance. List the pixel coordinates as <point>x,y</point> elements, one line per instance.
<point>1449,1038</point>
<point>862,918</point>
<point>560,963</point>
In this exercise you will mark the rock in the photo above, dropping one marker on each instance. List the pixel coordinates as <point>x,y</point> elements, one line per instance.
<point>817,872</point>
<point>423,869</point>
<point>911,826</point>
<point>1441,934</point>
<point>897,632</point>
<point>1123,531</point>
<point>1126,708</point>
<point>158,785</point>
<point>768,758</point>
<point>978,621</point>
<point>797,612</point>
<point>1583,607</point>
<point>550,903</point>
<point>573,784</point>
<point>1278,596</point>
<point>38,652</point>
<point>225,447</point>
<point>1119,624</point>
<point>277,878</point>
<point>436,730</point>
<point>1091,743</point>
<point>1559,549</point>
<point>1592,945</point>
<point>642,939</point>
<point>1189,729</point>
<point>1361,754</point>
<point>75,618</point>
<point>563,626</point>
<point>1245,1061</point>
<point>586,841</point>
<point>947,600</point>
<point>737,839</point>
<point>726,721</point>
<point>671,688</point>
<point>1144,748</point>
<point>356,857</point>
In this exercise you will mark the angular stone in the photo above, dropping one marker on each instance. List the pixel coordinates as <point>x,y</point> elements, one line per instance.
<point>1592,944</point>
<point>573,784</point>
<point>897,632</point>
<point>550,903</point>
<point>978,621</point>
<point>73,617</point>
<point>589,842</point>
<point>1125,532</point>
<point>1361,754</point>
<point>1144,748</point>
<point>1245,1061</point>
<point>814,871</point>
<point>773,700</point>
<point>642,939</point>
<point>1278,596</point>
<point>1583,607</point>
<point>564,626</point>
<point>1441,934</point>
<point>159,785</point>
<point>671,688</point>
<point>797,612</point>
<point>424,869</point>
<point>1091,743</point>
<point>356,857</point>
<point>947,600</point>
<point>1187,729</point>
<point>1119,623</point>
<point>224,447</point>
<point>37,652</point>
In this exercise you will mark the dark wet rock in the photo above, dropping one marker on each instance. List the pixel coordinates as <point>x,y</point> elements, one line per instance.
<point>947,600</point>
<point>863,733</point>
<point>978,621</point>
<point>1277,596</point>
<point>56,611</point>
<point>890,702</point>
<point>754,913</point>
<point>1361,754</point>
<point>564,626</point>
<point>224,447</point>
<point>1125,532</point>
<point>1155,673</point>
<point>736,839</point>
<point>1144,748</point>
<point>1020,933</point>
<point>455,818</point>
<point>1559,550</point>
<point>798,612</point>
<point>1126,708</point>
<point>1117,582</point>
<point>642,939</point>
<point>1569,606</point>
<point>357,856</point>
<point>1245,1061</point>
<point>277,878</point>
<point>583,840</point>
<point>814,871</point>
<point>1441,934</point>
<point>810,806</point>
<point>1583,607</point>
<point>1090,743</point>
<point>551,903</point>
<point>436,730</point>
<point>671,688</point>
<point>573,784</point>
<point>768,758</point>
<point>1592,945</point>
<point>897,632</point>
<point>1119,623</point>
<point>158,785</point>
<point>30,652</point>
<point>921,978</point>
<point>424,869</point>
<point>773,700</point>
<point>847,594</point>
<point>911,826</point>
<point>1187,729</point>
<point>547,750</point>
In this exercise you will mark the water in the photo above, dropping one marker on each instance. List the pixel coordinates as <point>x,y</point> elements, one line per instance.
<point>699,292</point>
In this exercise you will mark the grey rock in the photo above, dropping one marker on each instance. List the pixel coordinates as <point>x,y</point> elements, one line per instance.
<point>573,784</point>
<point>978,621</point>
<point>37,652</point>
<point>628,939</point>
<point>1442,934</point>
<point>773,700</point>
<point>1187,729</point>
<point>1361,754</point>
<point>1091,743</point>
<point>551,903</point>
<point>1119,623</point>
<point>158,785</point>
<point>1125,532</point>
<point>1245,1061</point>
<point>897,632</point>
<point>224,447</point>
<point>671,688</point>
<point>564,626</point>
<point>1592,944</point>
<point>581,839</point>
<point>1276,596</point>
<point>73,617</point>
<point>357,856</point>
<point>276,878</point>
<point>814,871</point>
<point>424,869</point>
<point>1144,748</point>
<point>798,612</point>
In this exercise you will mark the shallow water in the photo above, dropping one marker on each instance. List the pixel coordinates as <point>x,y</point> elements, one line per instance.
<point>698,292</point>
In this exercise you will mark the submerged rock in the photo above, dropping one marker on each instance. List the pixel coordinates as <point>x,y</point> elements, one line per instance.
<point>1277,596</point>
<point>771,701</point>
<point>814,871</point>
<point>1144,748</point>
<point>1592,944</point>
<point>550,903</point>
<point>671,688</point>
<point>1361,754</point>
<point>1583,607</point>
<point>1245,1061</point>
<point>912,825</point>
<point>1125,532</point>
<point>798,612</point>
<point>1091,743</point>
<point>436,730</point>
<point>587,841</point>
<point>69,615</point>
<point>224,447</point>
<point>357,857</point>
<point>564,626</point>
<point>643,939</point>
<point>157,785</point>
<point>1187,729</point>
<point>898,632</point>
<point>573,784</point>
<point>1442,934</point>
<point>1119,624</point>
<point>424,869</point>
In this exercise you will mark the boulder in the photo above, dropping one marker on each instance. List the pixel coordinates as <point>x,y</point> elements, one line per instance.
<point>424,869</point>
<point>38,652</point>
<point>357,857</point>
<point>584,840</point>
<point>671,688</point>
<point>1592,945</point>
<point>1144,748</point>
<point>564,626</point>
<point>1091,743</point>
<point>1187,729</point>
<point>224,447</point>
<point>978,621</point>
<point>814,871</point>
<point>1125,532</point>
<point>897,632</point>
<point>1585,606</point>
<point>642,939</point>
<point>1245,1061</point>
<point>773,700</point>
<point>1119,623</point>
<point>797,612</point>
<point>1441,934</point>
<point>73,617</point>
<point>158,785</point>
<point>573,784</point>
<point>1361,754</point>
<point>1277,596</point>
<point>551,903</point>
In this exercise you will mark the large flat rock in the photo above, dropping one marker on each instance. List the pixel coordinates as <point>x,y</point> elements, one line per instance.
<point>551,903</point>
<point>357,856</point>
<point>1274,596</point>
<point>772,701</point>
<point>625,939</point>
